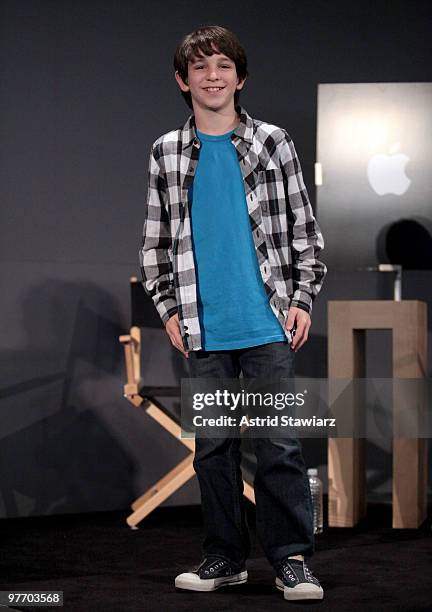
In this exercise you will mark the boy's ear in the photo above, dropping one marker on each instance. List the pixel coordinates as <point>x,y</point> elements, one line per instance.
<point>240,83</point>
<point>183,85</point>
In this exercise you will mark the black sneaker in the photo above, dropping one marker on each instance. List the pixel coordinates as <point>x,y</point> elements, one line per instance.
<point>213,573</point>
<point>296,580</point>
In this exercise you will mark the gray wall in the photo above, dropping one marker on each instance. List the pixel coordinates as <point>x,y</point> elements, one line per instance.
<point>86,88</point>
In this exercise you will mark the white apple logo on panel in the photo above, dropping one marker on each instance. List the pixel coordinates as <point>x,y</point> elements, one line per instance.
<point>386,173</point>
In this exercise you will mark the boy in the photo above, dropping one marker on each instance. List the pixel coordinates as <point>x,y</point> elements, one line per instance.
<point>230,258</point>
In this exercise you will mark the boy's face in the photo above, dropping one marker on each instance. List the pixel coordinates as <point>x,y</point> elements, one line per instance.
<point>214,71</point>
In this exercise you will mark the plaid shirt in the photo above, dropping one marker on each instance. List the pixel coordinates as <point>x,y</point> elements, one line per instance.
<point>286,235</point>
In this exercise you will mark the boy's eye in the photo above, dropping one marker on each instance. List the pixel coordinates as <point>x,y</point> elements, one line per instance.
<point>223,66</point>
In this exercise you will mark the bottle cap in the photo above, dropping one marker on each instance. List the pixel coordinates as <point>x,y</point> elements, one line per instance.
<point>312,472</point>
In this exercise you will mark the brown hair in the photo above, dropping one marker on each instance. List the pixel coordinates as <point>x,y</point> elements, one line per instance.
<point>203,40</point>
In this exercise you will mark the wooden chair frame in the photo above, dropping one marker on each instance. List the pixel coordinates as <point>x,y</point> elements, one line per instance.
<point>183,471</point>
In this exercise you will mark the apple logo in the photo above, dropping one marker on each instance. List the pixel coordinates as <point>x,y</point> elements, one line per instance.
<point>386,173</point>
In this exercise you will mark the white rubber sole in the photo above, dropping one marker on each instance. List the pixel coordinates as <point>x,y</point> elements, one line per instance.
<point>192,582</point>
<point>301,591</point>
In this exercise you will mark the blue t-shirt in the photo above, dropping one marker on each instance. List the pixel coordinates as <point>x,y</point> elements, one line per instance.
<point>233,306</point>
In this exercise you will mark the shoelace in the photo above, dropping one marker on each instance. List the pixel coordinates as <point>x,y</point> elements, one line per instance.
<point>286,568</point>
<point>215,560</point>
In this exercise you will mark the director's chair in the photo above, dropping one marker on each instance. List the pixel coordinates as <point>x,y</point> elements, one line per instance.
<point>145,315</point>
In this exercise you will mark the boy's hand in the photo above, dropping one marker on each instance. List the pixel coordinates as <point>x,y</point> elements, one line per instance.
<point>301,321</point>
<point>173,330</point>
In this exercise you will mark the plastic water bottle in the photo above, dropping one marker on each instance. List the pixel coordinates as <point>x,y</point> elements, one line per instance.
<point>316,489</point>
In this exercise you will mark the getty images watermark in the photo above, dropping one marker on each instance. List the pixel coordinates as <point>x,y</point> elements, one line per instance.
<point>306,407</point>
<point>237,402</point>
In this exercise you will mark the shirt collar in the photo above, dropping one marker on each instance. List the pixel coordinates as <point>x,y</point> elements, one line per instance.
<point>244,129</point>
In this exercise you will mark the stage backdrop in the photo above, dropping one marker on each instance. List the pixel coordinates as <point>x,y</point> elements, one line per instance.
<point>86,88</point>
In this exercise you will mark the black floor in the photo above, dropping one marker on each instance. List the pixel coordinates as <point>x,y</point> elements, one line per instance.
<point>101,564</point>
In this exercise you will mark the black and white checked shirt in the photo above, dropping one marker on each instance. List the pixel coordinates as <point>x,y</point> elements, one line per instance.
<point>285,232</point>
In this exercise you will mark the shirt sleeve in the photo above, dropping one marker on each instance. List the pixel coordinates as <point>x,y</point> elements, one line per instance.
<point>155,254</point>
<point>305,237</point>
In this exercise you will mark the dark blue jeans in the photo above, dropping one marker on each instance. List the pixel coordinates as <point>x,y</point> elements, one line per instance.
<point>284,516</point>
